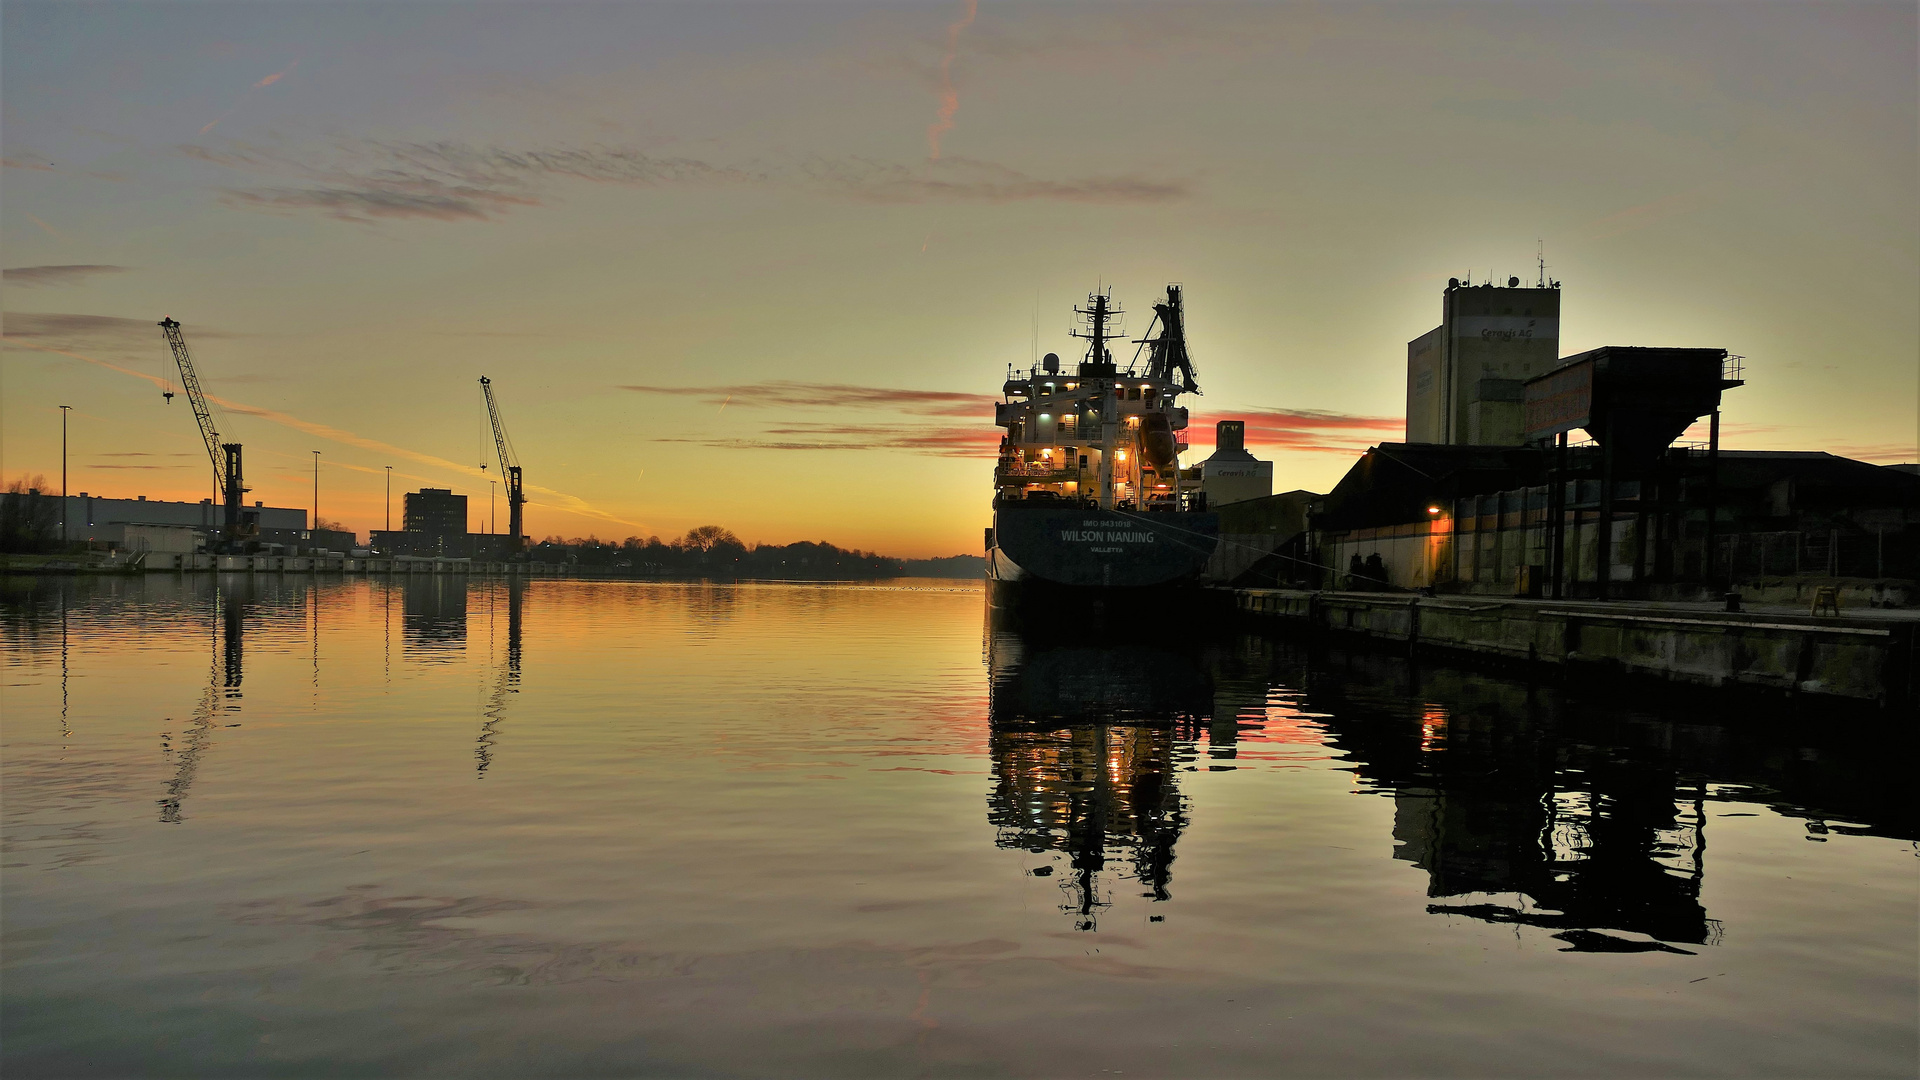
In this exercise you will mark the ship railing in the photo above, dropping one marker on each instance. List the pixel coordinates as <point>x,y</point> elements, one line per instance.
<point>1038,472</point>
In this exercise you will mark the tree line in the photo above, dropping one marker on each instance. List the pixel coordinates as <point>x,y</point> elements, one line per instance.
<point>711,551</point>
<point>29,517</point>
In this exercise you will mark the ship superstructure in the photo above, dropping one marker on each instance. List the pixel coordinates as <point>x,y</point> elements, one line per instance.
<point>1101,436</point>
<point>1088,491</point>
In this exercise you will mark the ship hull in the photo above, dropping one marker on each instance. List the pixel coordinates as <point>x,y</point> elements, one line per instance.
<point>1085,551</point>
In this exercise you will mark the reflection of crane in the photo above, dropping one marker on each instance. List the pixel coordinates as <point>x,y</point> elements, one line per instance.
<point>506,685</point>
<point>199,735</point>
<point>225,456</point>
<point>509,471</point>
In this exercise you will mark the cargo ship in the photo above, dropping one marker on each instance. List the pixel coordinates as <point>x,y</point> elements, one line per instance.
<point>1089,497</point>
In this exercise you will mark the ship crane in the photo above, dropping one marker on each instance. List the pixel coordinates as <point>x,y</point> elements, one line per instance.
<point>227,477</point>
<point>509,471</point>
<point>1168,356</point>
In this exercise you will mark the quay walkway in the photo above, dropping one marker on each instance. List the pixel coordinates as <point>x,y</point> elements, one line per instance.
<point>1867,655</point>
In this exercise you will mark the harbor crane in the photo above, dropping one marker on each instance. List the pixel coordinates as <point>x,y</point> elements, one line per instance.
<point>239,523</point>
<point>509,472</point>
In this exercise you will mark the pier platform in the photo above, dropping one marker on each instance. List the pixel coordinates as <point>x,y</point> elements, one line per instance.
<point>1865,655</point>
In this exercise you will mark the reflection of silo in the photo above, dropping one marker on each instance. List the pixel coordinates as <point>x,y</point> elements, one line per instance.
<point>434,616</point>
<point>1464,377</point>
<point>1515,822</point>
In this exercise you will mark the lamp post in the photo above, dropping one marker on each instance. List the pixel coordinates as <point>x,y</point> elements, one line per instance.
<point>316,492</point>
<point>64,410</point>
<point>491,484</point>
<point>389,498</point>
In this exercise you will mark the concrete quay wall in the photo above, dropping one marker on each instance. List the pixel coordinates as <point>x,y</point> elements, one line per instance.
<point>1860,659</point>
<point>169,562</point>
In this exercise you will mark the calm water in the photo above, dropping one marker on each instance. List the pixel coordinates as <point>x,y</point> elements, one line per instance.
<point>614,828</point>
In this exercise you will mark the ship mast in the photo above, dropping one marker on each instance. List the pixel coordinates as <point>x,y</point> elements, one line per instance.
<point>1101,311</point>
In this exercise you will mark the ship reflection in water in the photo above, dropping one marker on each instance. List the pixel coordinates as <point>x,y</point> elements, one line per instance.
<point>1523,806</point>
<point>1086,743</point>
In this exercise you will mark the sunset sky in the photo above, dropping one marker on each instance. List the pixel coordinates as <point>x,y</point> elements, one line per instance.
<point>765,265</point>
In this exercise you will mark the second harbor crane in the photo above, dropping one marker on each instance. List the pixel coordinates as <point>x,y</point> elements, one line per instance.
<point>509,471</point>
<point>239,523</point>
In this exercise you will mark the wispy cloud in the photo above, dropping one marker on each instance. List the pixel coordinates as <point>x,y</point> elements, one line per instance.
<point>790,394</point>
<point>35,166</point>
<point>276,76</point>
<point>70,327</point>
<point>50,230</point>
<point>363,203</point>
<point>1275,429</point>
<point>967,180</point>
<point>949,94</point>
<point>1634,218</point>
<point>976,441</point>
<point>1312,430</point>
<point>35,277</point>
<point>244,94</point>
<point>452,181</point>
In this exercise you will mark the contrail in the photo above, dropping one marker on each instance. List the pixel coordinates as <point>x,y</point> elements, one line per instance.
<point>51,231</point>
<point>268,81</point>
<point>276,76</point>
<point>949,97</point>
<point>570,502</point>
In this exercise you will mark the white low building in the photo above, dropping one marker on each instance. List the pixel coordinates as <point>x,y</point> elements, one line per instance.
<point>1232,474</point>
<point>138,536</point>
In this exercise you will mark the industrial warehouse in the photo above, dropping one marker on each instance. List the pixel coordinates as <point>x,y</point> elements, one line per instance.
<point>1495,492</point>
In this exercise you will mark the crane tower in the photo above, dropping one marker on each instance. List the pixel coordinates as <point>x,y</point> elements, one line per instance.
<point>509,471</point>
<point>238,523</point>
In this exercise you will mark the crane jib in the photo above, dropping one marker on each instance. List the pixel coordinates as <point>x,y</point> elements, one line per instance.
<point>509,468</point>
<point>225,457</point>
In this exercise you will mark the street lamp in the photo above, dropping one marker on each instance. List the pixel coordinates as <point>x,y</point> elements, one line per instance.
<point>491,484</point>
<point>316,491</point>
<point>64,538</point>
<point>389,498</point>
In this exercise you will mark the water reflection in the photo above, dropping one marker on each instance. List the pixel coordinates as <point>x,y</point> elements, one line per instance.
<point>231,596</point>
<point>1522,805</point>
<point>1535,831</point>
<point>506,680</point>
<point>1086,742</point>
<point>433,617</point>
<point>1577,813</point>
